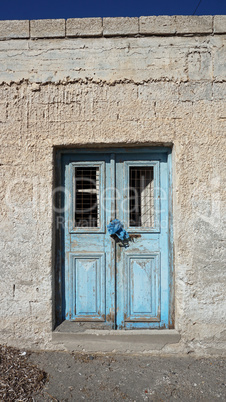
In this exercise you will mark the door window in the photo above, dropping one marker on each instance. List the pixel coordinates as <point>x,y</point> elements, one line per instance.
<point>141,196</point>
<point>87,197</point>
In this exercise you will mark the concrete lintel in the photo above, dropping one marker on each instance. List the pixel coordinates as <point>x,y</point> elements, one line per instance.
<point>136,341</point>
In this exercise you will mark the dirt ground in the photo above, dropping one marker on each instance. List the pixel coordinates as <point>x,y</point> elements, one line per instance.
<point>78,377</point>
<point>62,376</point>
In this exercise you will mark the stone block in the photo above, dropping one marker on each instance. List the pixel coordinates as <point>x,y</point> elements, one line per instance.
<point>175,24</point>
<point>120,26</point>
<point>84,27</point>
<point>14,29</point>
<point>47,28</point>
<point>2,112</point>
<point>219,24</point>
<point>199,65</point>
<point>195,91</point>
<point>219,90</point>
<point>192,24</point>
<point>219,61</point>
<point>157,25</point>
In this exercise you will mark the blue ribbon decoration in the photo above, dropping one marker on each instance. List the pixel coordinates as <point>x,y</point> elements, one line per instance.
<point>116,227</point>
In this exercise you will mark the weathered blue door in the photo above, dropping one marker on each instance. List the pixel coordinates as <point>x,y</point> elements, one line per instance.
<point>108,282</point>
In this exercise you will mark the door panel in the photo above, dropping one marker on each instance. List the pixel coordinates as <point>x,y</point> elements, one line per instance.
<point>107,282</point>
<point>89,267</point>
<point>87,293</point>
<point>143,284</point>
<point>142,182</point>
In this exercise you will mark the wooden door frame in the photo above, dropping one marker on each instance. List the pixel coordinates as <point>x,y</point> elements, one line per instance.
<point>58,231</point>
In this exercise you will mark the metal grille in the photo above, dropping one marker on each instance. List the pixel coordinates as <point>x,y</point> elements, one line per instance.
<point>87,197</point>
<point>142,196</point>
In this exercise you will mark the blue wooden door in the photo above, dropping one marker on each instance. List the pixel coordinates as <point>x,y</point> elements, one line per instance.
<point>89,266</point>
<point>107,282</point>
<point>142,268</point>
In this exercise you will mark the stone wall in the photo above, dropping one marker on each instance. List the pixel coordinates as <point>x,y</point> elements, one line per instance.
<point>116,81</point>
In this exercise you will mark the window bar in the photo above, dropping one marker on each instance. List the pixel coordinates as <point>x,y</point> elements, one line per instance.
<point>82,203</point>
<point>145,187</point>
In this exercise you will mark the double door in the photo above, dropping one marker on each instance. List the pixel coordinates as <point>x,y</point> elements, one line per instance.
<point>108,281</point>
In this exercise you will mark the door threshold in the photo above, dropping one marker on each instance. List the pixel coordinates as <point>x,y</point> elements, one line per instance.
<point>123,341</point>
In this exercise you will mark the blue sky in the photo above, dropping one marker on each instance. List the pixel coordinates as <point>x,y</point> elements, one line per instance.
<point>27,9</point>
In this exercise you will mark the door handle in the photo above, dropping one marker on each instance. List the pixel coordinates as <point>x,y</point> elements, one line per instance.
<point>134,236</point>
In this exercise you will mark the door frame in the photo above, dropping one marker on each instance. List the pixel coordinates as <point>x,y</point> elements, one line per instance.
<point>58,226</point>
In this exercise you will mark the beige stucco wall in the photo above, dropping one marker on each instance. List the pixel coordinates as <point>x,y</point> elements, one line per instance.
<point>154,88</point>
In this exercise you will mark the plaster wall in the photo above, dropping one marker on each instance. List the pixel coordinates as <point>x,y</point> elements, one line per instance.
<point>98,88</point>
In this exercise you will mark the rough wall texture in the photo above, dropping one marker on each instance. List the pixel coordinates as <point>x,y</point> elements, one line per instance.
<point>165,88</point>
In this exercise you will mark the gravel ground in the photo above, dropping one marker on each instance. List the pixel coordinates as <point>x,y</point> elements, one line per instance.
<point>19,378</point>
<point>79,377</point>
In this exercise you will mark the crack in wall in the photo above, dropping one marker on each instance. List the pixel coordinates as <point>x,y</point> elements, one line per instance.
<point>107,83</point>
